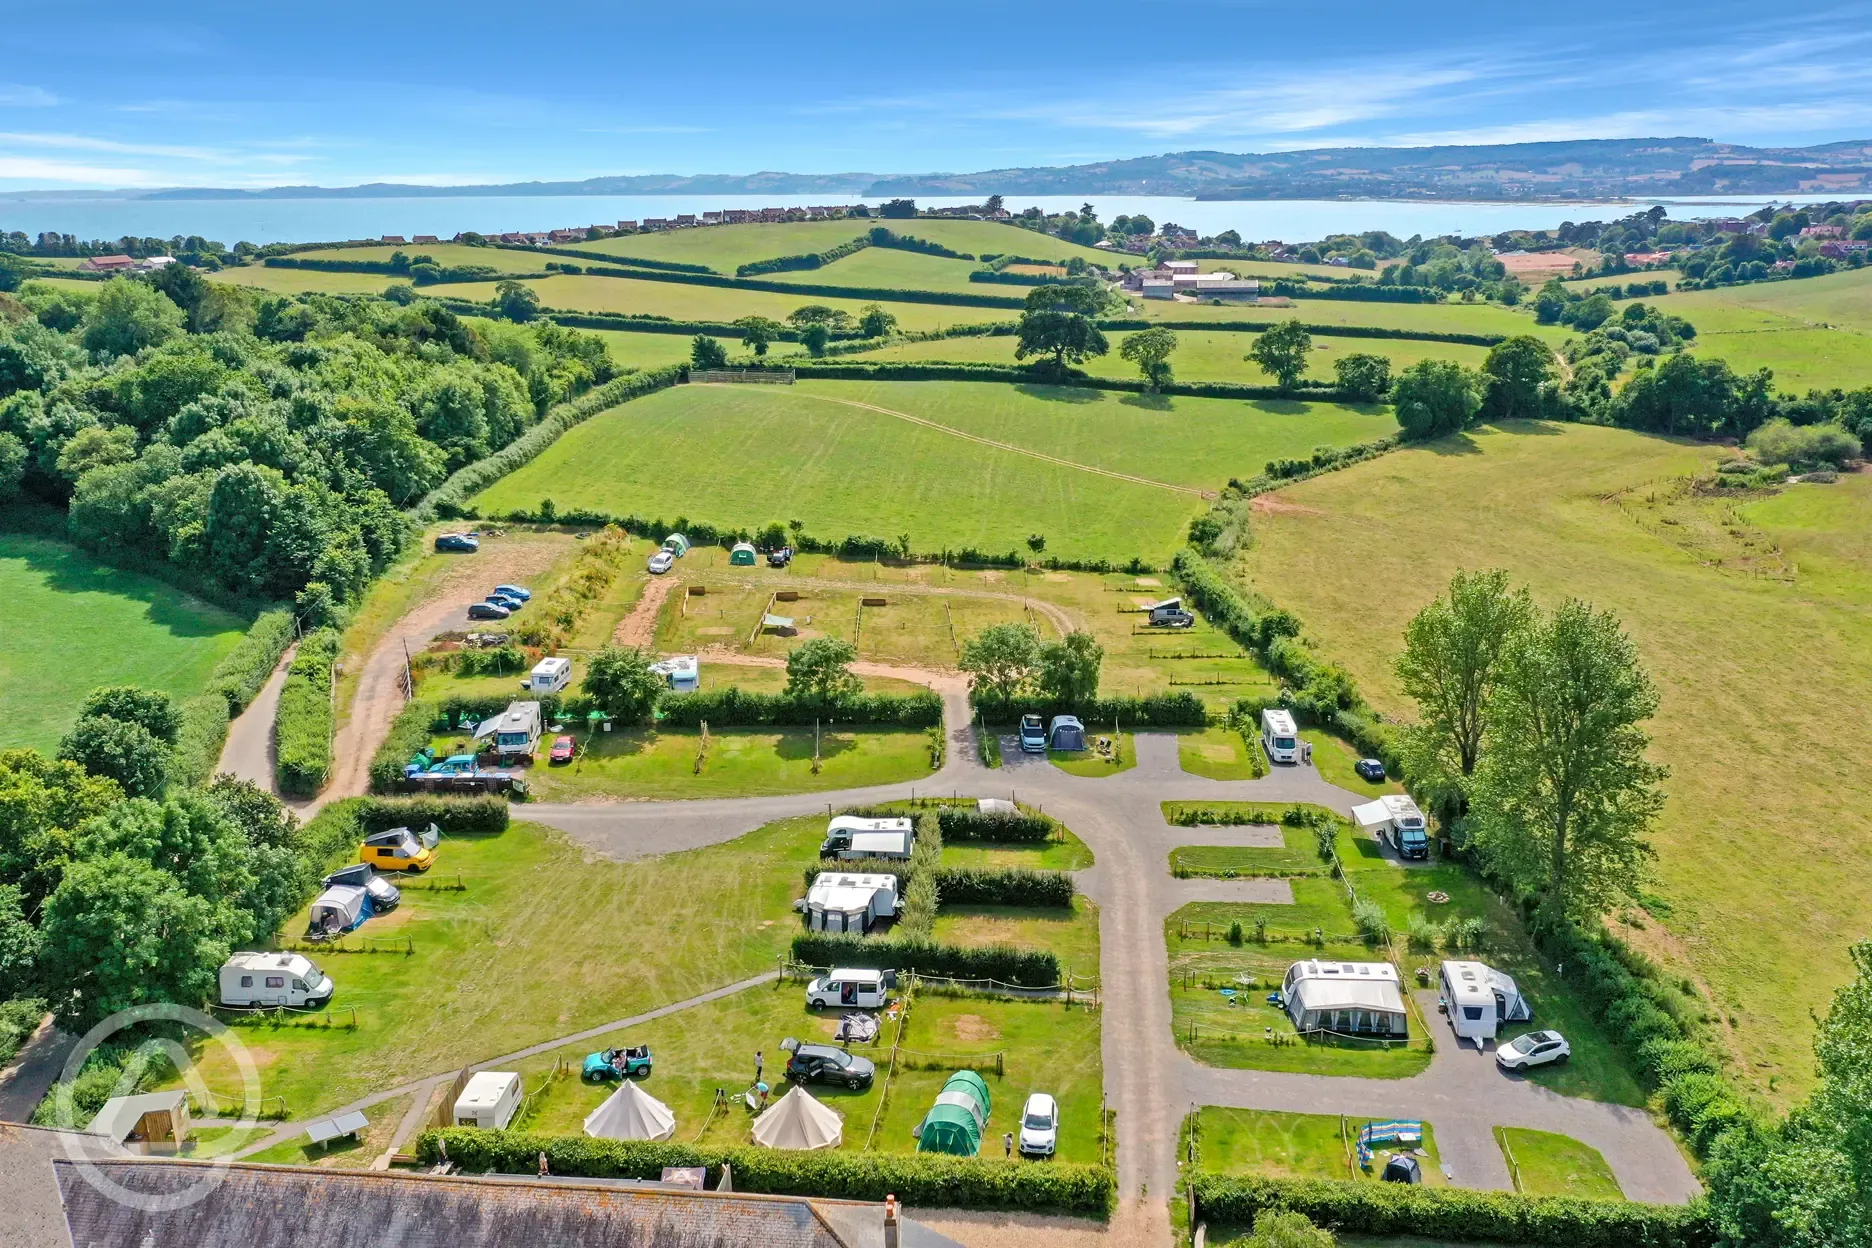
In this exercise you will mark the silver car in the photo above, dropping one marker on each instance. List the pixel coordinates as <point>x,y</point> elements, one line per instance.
<point>1537,1048</point>
<point>661,562</point>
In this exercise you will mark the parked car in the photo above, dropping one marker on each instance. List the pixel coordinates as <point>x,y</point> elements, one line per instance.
<point>457,544</point>
<point>661,562</point>
<point>488,611</point>
<point>780,558</point>
<point>1039,1132</point>
<point>515,591</point>
<point>397,849</point>
<point>824,1063</point>
<point>384,895</point>
<point>562,750</point>
<point>1537,1048</point>
<point>502,600</point>
<point>1370,769</point>
<point>609,1064</point>
<point>1033,734</point>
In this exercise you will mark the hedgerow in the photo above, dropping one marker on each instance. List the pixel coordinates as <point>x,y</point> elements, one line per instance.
<point>605,257</point>
<point>409,732</point>
<point>735,706</point>
<point>302,729</point>
<point>244,669</point>
<point>917,1179</point>
<point>1454,1213</point>
<point>965,824</point>
<point>198,743</point>
<point>1026,968</point>
<point>1031,375</point>
<point>881,293</point>
<point>457,816</point>
<point>1004,886</point>
<point>810,260</point>
<point>1335,331</point>
<point>1157,710</point>
<point>421,275</point>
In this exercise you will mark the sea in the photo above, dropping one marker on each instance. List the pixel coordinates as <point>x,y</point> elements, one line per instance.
<point>324,219</point>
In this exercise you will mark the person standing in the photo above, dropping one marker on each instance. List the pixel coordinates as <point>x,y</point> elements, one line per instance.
<point>1007,1144</point>
<point>758,1062</point>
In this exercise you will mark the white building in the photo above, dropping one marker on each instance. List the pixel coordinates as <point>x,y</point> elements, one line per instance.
<point>841,901</point>
<point>1480,999</point>
<point>1346,998</point>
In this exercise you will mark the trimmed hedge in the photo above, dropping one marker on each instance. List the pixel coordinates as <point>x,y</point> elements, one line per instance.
<point>447,498</point>
<point>330,839</point>
<point>444,273</point>
<point>457,816</point>
<point>1157,710</point>
<point>409,732</point>
<point>1043,375</point>
<point>1363,292</point>
<point>1004,886</point>
<point>198,744</point>
<point>734,706</point>
<point>605,257</point>
<point>811,260</point>
<point>1026,968</point>
<point>1454,1213</point>
<point>1334,331</point>
<point>963,823</point>
<point>918,1179</point>
<point>302,731</point>
<point>244,669</point>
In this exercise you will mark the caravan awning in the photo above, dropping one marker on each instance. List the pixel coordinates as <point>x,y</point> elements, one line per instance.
<point>1372,815</point>
<point>776,621</point>
<point>487,727</point>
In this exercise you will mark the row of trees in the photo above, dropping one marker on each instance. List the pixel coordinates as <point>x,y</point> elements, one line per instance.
<point>1006,662</point>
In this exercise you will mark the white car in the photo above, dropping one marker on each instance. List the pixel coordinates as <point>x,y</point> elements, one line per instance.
<point>662,562</point>
<point>1537,1048</point>
<point>1039,1132</point>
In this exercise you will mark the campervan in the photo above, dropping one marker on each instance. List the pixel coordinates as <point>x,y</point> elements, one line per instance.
<point>848,989</point>
<point>549,676</point>
<point>1395,820</point>
<point>490,1100</point>
<point>1279,736</point>
<point>255,980</point>
<point>1170,614</point>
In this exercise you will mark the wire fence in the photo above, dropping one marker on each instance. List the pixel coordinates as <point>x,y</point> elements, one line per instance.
<point>207,1103</point>
<point>1073,987</point>
<point>952,1061</point>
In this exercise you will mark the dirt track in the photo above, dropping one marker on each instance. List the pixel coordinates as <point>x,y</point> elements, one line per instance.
<point>639,627</point>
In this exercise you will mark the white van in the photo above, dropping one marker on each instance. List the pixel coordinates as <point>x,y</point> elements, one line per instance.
<point>490,1100</point>
<point>1279,737</point>
<point>258,980</point>
<point>549,676</point>
<point>847,989</point>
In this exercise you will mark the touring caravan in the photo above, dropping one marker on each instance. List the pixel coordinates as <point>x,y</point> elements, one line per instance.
<point>1480,999</point>
<point>853,836</point>
<point>1279,737</point>
<point>839,901</point>
<point>682,672</point>
<point>256,980</point>
<point>514,733</point>
<point>549,676</point>
<point>490,1100</point>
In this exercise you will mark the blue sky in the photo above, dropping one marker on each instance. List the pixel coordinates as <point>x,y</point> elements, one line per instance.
<point>119,94</point>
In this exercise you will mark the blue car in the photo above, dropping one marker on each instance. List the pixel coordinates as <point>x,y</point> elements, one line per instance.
<point>515,591</point>
<point>502,600</point>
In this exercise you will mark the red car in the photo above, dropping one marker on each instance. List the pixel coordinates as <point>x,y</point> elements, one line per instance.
<point>562,750</point>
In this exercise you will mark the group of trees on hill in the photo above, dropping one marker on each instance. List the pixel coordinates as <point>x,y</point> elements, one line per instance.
<point>259,444</point>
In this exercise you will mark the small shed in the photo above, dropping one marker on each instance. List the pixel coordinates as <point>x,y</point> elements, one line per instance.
<point>1066,733</point>
<point>743,555</point>
<point>154,1122</point>
<point>676,544</point>
<point>840,901</point>
<point>630,1113</point>
<point>339,909</point>
<point>797,1120</point>
<point>955,1122</point>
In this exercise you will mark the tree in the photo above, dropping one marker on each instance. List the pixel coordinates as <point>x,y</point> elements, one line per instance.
<point>1804,447</point>
<point>898,208</point>
<point>1078,298</point>
<point>186,288</point>
<point>1283,1228</point>
<point>1150,350</point>
<point>1068,669</point>
<point>1000,660</point>
<point>621,682</point>
<point>1435,398</point>
<point>759,333</point>
<point>705,353</point>
<point>1514,373</point>
<point>1282,352</point>
<point>19,946</point>
<point>1066,336</point>
<point>814,338</point>
<point>820,671</point>
<point>1452,657</point>
<point>12,272</point>
<point>119,751</point>
<point>819,314</point>
<point>128,316</point>
<point>12,466</point>
<point>149,707</point>
<point>1363,376</point>
<point>1563,794</point>
<point>516,302</point>
<point>875,322</point>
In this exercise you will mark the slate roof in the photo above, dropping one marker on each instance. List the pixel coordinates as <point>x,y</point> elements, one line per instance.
<point>30,1216</point>
<point>288,1207</point>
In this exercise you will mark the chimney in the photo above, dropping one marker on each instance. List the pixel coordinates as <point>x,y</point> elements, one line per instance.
<point>890,1222</point>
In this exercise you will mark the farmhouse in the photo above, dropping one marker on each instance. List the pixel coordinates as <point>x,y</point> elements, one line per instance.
<point>1348,998</point>
<point>424,239</point>
<point>843,902</point>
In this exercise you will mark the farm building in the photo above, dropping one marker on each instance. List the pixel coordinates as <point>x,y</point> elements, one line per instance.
<point>1066,733</point>
<point>682,672</point>
<point>743,554</point>
<point>1480,1000</point>
<point>839,901</point>
<point>1349,998</point>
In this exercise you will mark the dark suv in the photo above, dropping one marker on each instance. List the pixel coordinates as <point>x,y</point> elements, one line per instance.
<point>823,1063</point>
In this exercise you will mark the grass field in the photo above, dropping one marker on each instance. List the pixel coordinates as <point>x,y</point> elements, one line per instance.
<point>725,247</point>
<point>1218,752</point>
<point>1545,1164</point>
<point>890,268</point>
<point>1295,1146</point>
<point>1200,355</point>
<point>1812,331</point>
<point>297,281</point>
<point>1465,318</point>
<point>1717,600</point>
<point>1296,855</point>
<point>129,629</point>
<point>848,469</point>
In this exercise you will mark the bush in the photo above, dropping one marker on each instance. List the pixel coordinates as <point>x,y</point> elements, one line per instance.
<point>734,706</point>
<point>1371,920</point>
<point>302,732</point>
<point>1026,968</point>
<point>917,1179</point>
<point>240,674</point>
<point>1804,447</point>
<point>963,824</point>
<point>1004,886</point>
<point>409,732</point>
<point>457,816</point>
<point>331,838</point>
<point>1456,1214</point>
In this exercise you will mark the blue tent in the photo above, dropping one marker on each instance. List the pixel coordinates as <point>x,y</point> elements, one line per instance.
<point>1066,733</point>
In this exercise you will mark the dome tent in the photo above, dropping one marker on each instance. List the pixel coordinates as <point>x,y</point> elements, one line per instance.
<point>797,1120</point>
<point>630,1113</point>
<point>955,1122</point>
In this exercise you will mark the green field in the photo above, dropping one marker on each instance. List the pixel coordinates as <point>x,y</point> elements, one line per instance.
<point>134,631</point>
<point>310,281</point>
<point>1294,1146</point>
<point>1201,355</point>
<point>894,269</point>
<point>1812,332</point>
<point>1719,601</point>
<point>1545,1164</point>
<point>505,259</point>
<point>725,247</point>
<point>1462,318</point>
<point>752,455</point>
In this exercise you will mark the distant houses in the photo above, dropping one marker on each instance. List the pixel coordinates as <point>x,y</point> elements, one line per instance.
<point>1181,278</point>
<point>123,264</point>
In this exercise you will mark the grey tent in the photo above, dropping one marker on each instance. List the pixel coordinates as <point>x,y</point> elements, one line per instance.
<point>1067,733</point>
<point>1402,1168</point>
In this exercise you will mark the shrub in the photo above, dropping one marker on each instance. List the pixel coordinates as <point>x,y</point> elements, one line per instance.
<point>457,816</point>
<point>302,731</point>
<point>409,732</point>
<point>1371,920</point>
<point>244,669</point>
<point>1704,1108</point>
<point>1425,935</point>
<point>1004,886</point>
<point>734,706</point>
<point>1804,447</point>
<point>198,744</point>
<point>924,1179</point>
<point>1026,968</point>
<point>963,824</point>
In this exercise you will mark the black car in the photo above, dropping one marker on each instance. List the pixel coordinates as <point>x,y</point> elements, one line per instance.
<point>1369,769</point>
<point>822,1063</point>
<point>780,558</point>
<point>488,611</point>
<point>457,543</point>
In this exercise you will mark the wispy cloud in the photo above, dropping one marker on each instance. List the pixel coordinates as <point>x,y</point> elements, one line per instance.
<point>27,167</point>
<point>89,143</point>
<point>17,95</point>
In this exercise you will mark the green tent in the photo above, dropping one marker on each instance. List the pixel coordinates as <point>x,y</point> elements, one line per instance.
<point>742,555</point>
<point>955,1122</point>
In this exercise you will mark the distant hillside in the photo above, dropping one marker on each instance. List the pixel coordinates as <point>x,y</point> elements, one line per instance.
<point>1584,168</point>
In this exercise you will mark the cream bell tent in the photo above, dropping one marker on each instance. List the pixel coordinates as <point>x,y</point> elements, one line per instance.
<point>796,1120</point>
<point>630,1113</point>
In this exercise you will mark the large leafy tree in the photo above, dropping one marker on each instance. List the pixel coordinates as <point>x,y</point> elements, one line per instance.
<point>1283,352</point>
<point>1150,350</point>
<point>150,707</point>
<point>1067,670</point>
<point>1068,338</point>
<point>1435,398</point>
<point>820,671</point>
<point>1563,794</point>
<point>128,316</point>
<point>759,333</point>
<point>1363,376</point>
<point>1000,660</point>
<point>621,681</point>
<point>1515,371</point>
<point>1452,656</point>
<point>120,751</point>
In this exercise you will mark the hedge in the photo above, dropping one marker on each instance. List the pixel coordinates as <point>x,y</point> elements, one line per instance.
<point>443,273</point>
<point>811,260</point>
<point>962,823</point>
<point>1157,710</point>
<point>446,499</point>
<point>244,669</point>
<point>605,257</point>
<point>1363,292</point>
<point>457,816</point>
<point>1041,374</point>
<point>1004,886</point>
<point>198,744</point>
<point>302,730</point>
<point>734,706</point>
<point>409,732</point>
<point>1026,968</point>
<point>330,838</point>
<point>1014,279</point>
<point>925,1180</point>
<point>1454,1213</point>
<point>1334,331</point>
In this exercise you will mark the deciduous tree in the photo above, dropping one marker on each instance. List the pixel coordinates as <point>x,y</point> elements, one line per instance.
<point>152,708</point>
<point>1435,398</point>
<point>621,682</point>
<point>820,671</point>
<point>758,332</point>
<point>1282,352</point>
<point>1363,376</point>
<point>1150,350</point>
<point>1000,660</point>
<point>705,353</point>
<point>119,751</point>
<point>1514,373</point>
<point>1068,669</point>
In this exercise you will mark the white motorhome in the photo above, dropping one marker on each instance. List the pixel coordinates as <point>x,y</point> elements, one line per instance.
<point>515,732</point>
<point>490,1100</point>
<point>256,980</point>
<point>848,989</point>
<point>1279,737</point>
<point>1480,999</point>
<point>549,676</point>
<point>682,672</point>
<point>1395,819</point>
